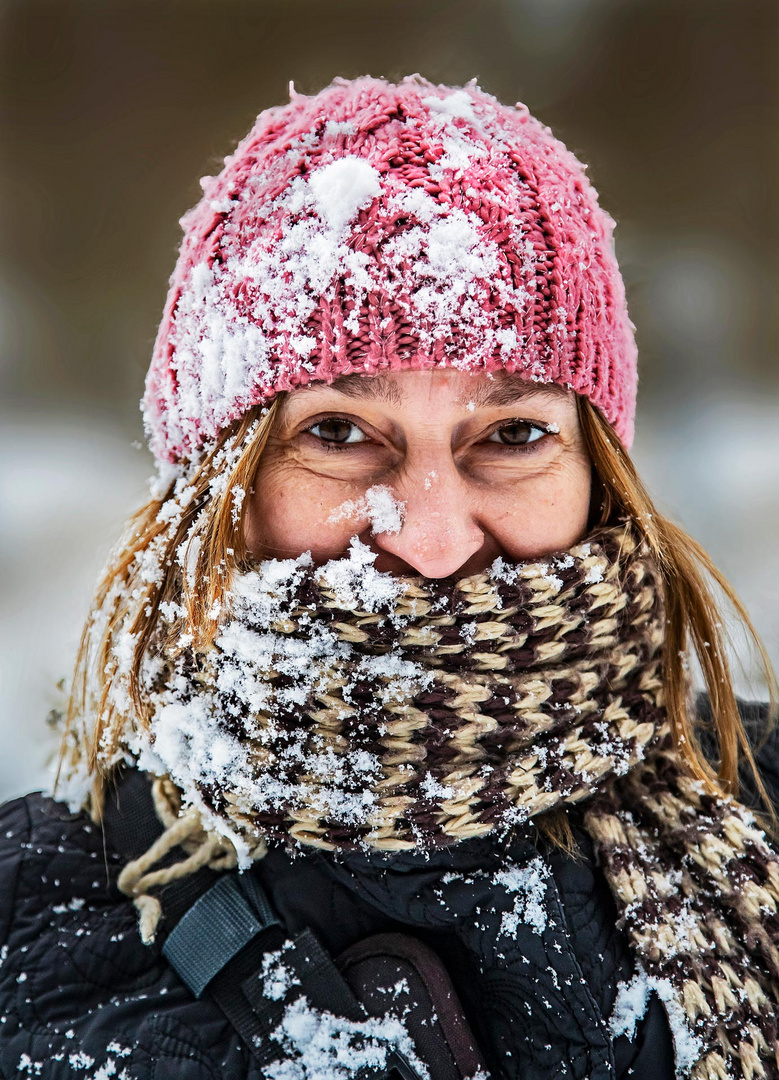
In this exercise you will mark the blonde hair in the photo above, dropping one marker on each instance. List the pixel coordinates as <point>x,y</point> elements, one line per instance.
<point>185,560</point>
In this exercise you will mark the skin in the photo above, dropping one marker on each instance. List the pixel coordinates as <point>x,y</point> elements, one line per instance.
<point>486,467</point>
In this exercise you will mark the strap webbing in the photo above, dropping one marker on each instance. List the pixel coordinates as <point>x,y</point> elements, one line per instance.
<point>214,930</point>
<point>320,980</point>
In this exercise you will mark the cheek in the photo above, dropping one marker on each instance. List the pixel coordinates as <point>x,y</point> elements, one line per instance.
<point>288,514</point>
<point>543,514</point>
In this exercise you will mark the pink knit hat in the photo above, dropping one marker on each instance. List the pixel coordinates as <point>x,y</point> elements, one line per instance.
<point>376,226</point>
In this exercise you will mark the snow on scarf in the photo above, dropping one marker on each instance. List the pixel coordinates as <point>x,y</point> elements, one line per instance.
<point>344,707</point>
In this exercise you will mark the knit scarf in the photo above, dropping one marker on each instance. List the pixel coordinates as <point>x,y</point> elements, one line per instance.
<point>343,707</point>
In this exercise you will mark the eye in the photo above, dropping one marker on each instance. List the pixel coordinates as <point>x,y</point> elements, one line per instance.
<point>337,430</point>
<point>517,433</point>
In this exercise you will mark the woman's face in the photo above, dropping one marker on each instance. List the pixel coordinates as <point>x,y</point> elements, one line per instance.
<point>478,467</point>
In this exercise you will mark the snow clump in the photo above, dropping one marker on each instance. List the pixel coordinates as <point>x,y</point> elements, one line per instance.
<point>631,1005</point>
<point>379,505</point>
<point>342,188</point>
<point>320,1046</point>
<point>529,883</point>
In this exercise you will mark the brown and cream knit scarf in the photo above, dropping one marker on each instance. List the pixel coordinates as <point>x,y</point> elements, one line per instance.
<point>343,707</point>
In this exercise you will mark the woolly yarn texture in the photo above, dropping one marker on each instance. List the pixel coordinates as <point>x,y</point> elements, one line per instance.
<point>346,707</point>
<point>341,707</point>
<point>378,226</point>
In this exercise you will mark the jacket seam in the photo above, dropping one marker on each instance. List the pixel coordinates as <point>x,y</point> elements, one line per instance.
<point>597,1014</point>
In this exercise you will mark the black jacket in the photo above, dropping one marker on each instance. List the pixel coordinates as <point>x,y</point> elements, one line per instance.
<point>536,967</point>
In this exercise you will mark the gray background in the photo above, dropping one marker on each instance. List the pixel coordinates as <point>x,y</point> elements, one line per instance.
<point>111,112</point>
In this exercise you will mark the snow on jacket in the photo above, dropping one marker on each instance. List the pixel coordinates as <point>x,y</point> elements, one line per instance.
<point>529,937</point>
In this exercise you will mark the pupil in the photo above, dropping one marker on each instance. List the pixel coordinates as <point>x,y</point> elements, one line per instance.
<point>335,430</point>
<point>515,434</point>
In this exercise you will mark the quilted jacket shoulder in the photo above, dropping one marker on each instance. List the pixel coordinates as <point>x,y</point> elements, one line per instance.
<point>80,995</point>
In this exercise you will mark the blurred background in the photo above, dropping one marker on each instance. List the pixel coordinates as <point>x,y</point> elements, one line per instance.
<point>111,112</point>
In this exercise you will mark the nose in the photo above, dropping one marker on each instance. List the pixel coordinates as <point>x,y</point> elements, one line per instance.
<point>439,533</point>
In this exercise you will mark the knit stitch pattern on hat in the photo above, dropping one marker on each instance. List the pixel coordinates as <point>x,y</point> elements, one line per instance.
<point>378,226</point>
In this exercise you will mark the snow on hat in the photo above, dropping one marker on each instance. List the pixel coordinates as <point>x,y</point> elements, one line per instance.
<point>377,226</point>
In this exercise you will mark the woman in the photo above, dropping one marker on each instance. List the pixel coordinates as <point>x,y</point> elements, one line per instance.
<point>397,654</point>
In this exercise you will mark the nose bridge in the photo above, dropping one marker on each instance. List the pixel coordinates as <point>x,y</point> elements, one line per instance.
<point>434,487</point>
<point>439,532</point>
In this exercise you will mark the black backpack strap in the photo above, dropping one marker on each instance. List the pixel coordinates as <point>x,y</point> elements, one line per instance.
<point>220,928</point>
<point>216,928</point>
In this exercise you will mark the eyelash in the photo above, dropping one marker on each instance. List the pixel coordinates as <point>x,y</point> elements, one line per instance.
<point>526,448</point>
<point>333,447</point>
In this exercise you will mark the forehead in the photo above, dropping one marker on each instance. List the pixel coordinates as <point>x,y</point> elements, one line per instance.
<point>479,389</point>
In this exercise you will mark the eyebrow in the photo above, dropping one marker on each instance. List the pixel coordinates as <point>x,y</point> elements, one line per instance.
<point>377,387</point>
<point>507,390</point>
